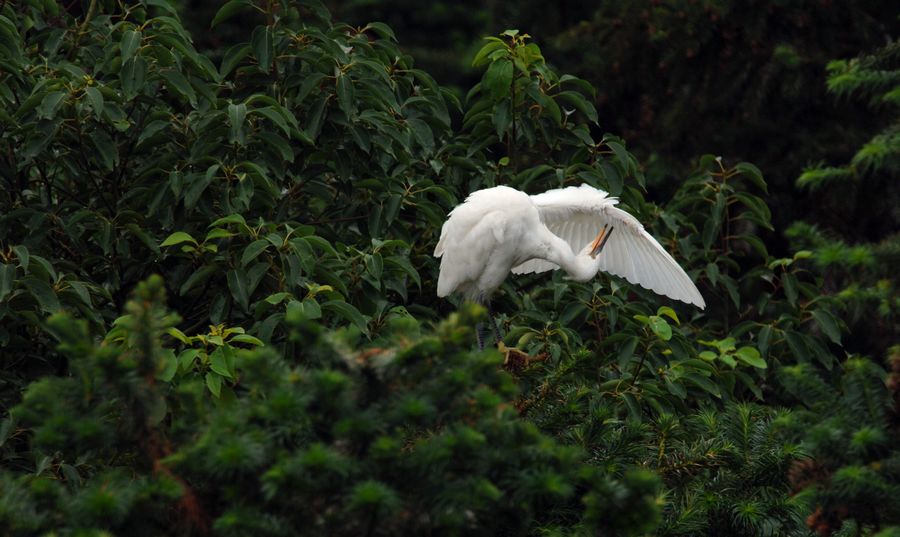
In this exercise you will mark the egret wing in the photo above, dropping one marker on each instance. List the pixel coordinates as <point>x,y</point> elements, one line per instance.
<point>577,214</point>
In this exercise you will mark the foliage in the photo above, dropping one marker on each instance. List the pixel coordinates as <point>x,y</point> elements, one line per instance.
<point>402,437</point>
<point>852,441</point>
<point>289,370</point>
<point>858,247</point>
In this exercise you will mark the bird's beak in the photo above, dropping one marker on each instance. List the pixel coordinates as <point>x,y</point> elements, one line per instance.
<point>600,241</point>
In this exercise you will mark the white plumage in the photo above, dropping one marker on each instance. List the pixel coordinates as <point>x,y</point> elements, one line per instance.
<point>500,229</point>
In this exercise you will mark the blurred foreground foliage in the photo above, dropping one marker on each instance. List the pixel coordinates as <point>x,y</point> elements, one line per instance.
<point>283,367</point>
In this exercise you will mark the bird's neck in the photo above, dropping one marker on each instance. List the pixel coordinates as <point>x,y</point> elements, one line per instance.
<point>580,267</point>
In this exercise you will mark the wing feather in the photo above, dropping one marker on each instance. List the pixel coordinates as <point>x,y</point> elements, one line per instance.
<point>576,214</point>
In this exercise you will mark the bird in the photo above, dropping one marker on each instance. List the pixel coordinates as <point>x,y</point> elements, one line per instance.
<point>579,229</point>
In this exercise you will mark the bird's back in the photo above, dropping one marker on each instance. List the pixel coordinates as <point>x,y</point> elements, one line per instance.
<point>473,260</point>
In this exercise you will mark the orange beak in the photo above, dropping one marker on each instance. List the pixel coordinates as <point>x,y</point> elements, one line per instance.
<point>600,241</point>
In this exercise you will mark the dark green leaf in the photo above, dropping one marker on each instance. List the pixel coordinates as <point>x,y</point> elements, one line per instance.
<point>348,312</point>
<point>129,44</point>
<point>214,383</point>
<point>218,362</point>
<point>106,148</point>
<point>237,113</point>
<point>828,324</point>
<point>168,366</point>
<point>483,55</point>
<point>176,81</point>
<point>43,293</point>
<point>132,76</point>
<point>790,287</point>
<point>199,276</point>
<point>703,382</point>
<point>50,104</point>
<point>753,173</point>
<point>238,286</point>
<point>261,41</point>
<point>345,95</point>
<point>96,99</point>
<point>231,8</point>
<point>498,78</point>
<point>764,338</point>
<point>253,250</point>
<point>7,279</point>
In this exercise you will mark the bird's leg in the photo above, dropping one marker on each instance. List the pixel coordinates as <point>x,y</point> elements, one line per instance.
<point>478,337</point>
<point>494,322</point>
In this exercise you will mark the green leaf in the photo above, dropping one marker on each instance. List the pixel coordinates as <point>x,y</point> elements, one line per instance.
<point>233,57</point>
<point>753,173</point>
<point>132,76</point>
<point>276,117</point>
<point>253,250</point>
<point>7,280</point>
<point>129,44</point>
<point>230,9</point>
<point>186,359</point>
<point>237,113</point>
<point>307,309</point>
<point>143,236</point>
<point>348,312</point>
<point>106,148</point>
<point>230,219</point>
<point>50,104</point>
<point>828,324</point>
<point>214,383</point>
<point>790,287</point>
<point>383,30</point>
<point>482,56</point>
<point>176,81</point>
<point>43,293</point>
<point>422,132</point>
<point>728,360</point>
<point>498,79</point>
<point>580,103</point>
<point>764,338</point>
<point>246,338</point>
<point>403,264</point>
<point>179,335</point>
<point>169,366</point>
<point>277,298</point>
<point>669,312</point>
<point>238,286</point>
<point>315,118</point>
<point>261,41</point>
<point>345,95</point>
<point>197,277</point>
<point>750,356</point>
<point>218,362</point>
<point>676,388</point>
<point>660,327</point>
<point>703,382</point>
<point>218,233</point>
<point>96,99</point>
<point>177,238</point>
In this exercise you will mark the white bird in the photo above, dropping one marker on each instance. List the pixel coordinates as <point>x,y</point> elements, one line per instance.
<point>500,229</point>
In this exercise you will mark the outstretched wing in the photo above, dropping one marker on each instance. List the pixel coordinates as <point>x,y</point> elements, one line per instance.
<point>577,214</point>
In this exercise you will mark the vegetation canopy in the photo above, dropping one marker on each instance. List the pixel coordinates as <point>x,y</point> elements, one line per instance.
<point>218,310</point>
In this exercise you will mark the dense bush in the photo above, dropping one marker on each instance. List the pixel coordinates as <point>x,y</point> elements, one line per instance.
<point>289,370</point>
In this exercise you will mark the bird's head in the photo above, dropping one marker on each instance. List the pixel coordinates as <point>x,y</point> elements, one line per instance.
<point>587,262</point>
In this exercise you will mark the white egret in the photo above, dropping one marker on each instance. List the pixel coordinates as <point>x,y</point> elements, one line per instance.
<point>500,229</point>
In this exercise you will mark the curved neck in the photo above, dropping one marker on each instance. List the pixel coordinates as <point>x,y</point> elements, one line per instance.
<point>581,267</point>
